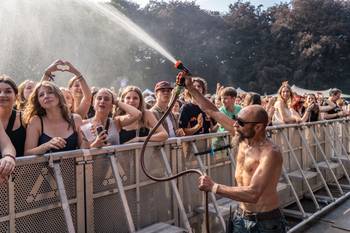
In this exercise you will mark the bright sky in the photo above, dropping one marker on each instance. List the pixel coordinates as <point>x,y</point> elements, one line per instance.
<point>221,5</point>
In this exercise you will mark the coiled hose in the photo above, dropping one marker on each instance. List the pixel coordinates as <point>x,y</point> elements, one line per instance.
<point>175,95</point>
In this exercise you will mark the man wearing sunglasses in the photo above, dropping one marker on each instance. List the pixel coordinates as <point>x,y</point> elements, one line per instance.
<point>258,168</point>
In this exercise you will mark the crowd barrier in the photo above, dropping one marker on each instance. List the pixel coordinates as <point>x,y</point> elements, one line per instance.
<point>105,190</point>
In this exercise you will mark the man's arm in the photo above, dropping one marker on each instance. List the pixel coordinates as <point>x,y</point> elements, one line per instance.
<point>209,108</point>
<point>267,169</point>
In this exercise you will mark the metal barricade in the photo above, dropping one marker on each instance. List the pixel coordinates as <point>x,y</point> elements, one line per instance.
<point>104,190</point>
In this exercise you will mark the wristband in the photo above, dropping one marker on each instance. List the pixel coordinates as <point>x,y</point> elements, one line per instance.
<point>215,187</point>
<point>9,155</point>
<point>50,75</point>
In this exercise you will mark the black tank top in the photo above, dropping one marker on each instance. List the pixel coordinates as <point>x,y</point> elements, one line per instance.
<point>126,135</point>
<point>71,141</point>
<point>17,136</point>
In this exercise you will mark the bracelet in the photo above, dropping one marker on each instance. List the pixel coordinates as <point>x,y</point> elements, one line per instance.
<point>50,75</point>
<point>9,155</point>
<point>215,187</point>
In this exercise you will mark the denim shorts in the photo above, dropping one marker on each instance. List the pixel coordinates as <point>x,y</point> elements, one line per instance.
<point>242,225</point>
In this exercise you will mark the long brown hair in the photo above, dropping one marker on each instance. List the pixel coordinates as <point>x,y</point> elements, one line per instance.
<point>34,108</point>
<point>141,106</point>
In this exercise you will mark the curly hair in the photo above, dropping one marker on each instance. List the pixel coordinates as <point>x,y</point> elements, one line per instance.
<point>35,109</point>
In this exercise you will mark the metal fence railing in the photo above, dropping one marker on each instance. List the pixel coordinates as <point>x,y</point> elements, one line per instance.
<point>104,190</point>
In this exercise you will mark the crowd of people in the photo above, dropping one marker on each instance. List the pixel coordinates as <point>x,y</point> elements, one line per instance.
<point>39,117</point>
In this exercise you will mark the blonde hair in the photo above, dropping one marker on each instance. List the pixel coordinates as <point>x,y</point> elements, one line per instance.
<point>35,109</point>
<point>285,84</point>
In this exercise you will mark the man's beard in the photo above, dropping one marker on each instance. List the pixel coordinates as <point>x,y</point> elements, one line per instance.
<point>247,135</point>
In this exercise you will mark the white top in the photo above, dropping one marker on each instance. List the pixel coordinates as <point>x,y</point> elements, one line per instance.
<point>112,133</point>
<point>277,118</point>
<point>171,127</point>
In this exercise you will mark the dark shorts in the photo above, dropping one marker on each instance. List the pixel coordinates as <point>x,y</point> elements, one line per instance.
<point>243,224</point>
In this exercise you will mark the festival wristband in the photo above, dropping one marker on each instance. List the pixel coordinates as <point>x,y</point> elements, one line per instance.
<point>9,155</point>
<point>215,187</point>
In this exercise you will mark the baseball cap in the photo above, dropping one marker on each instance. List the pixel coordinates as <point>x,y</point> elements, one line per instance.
<point>162,85</point>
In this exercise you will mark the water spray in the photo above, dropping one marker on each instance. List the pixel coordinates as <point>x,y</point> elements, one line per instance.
<point>180,85</point>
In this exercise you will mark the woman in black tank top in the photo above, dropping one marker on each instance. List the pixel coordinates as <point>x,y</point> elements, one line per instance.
<point>11,119</point>
<point>51,127</point>
<point>138,131</point>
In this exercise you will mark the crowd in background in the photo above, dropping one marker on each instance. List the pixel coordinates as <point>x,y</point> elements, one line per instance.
<point>39,117</point>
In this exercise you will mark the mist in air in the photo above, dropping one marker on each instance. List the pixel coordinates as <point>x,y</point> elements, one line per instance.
<point>36,32</point>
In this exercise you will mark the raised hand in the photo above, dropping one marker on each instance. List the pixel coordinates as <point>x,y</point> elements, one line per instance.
<point>53,67</point>
<point>70,68</point>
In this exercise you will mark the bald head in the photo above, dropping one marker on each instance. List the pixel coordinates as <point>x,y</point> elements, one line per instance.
<point>254,113</point>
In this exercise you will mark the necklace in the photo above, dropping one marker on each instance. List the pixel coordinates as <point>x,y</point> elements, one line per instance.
<point>259,144</point>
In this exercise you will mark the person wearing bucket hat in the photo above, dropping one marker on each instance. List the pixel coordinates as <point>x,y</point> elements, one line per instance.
<point>163,95</point>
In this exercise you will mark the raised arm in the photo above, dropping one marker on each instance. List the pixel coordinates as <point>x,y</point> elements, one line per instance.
<point>132,114</point>
<point>209,108</point>
<point>48,73</point>
<point>330,105</point>
<point>85,103</point>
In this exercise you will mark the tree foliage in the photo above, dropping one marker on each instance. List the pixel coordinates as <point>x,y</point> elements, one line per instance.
<point>305,42</point>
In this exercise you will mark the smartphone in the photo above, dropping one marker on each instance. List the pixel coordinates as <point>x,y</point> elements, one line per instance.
<point>99,129</point>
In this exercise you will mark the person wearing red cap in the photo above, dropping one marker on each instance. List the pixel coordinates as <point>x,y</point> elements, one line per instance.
<point>163,94</point>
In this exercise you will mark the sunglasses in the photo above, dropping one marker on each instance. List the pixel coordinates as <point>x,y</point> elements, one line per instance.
<point>242,123</point>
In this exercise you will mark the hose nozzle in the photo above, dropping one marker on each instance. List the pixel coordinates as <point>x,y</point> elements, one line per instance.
<point>179,65</point>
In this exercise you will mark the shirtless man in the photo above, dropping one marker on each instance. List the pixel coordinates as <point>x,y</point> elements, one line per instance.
<point>259,166</point>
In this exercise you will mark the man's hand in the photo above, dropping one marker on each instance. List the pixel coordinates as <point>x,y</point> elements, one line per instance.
<point>182,79</point>
<point>205,183</point>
